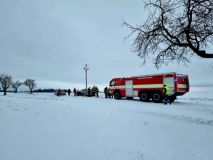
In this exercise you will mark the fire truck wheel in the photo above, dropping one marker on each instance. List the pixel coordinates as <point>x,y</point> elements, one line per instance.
<point>144,97</point>
<point>117,95</point>
<point>157,97</point>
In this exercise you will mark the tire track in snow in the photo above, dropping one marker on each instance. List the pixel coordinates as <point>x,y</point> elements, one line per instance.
<point>178,117</point>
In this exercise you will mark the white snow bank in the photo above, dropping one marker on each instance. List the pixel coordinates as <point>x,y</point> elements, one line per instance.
<point>46,127</point>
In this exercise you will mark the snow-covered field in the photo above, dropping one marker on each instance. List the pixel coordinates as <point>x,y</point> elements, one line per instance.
<point>46,127</point>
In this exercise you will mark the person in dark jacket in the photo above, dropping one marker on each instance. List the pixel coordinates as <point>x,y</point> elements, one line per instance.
<point>74,91</point>
<point>89,92</point>
<point>69,91</point>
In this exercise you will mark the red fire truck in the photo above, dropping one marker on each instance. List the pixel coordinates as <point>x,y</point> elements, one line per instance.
<point>149,87</point>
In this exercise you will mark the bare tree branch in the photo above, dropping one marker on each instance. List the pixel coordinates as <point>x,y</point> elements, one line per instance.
<point>5,81</point>
<point>174,30</point>
<point>15,85</point>
<point>31,84</point>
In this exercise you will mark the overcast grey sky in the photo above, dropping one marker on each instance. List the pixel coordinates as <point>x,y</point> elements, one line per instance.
<point>52,40</point>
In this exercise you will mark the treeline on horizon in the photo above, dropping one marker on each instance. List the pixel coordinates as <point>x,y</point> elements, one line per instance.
<point>39,90</point>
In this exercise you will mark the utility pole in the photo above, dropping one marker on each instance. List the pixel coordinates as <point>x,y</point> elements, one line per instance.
<point>86,69</point>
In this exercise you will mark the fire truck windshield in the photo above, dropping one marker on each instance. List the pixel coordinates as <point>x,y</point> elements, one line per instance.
<point>112,83</point>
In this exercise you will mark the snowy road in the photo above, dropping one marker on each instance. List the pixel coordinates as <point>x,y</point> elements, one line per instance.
<point>45,127</point>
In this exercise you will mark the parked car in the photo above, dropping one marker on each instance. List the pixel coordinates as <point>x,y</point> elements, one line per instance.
<point>82,92</point>
<point>60,92</point>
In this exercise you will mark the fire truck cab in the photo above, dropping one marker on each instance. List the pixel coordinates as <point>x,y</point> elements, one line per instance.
<point>149,87</point>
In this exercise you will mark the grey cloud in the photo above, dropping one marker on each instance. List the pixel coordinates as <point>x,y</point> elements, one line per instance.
<point>52,40</point>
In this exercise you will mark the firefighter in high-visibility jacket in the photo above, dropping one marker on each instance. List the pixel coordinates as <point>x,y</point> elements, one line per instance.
<point>166,95</point>
<point>107,93</point>
<point>95,91</point>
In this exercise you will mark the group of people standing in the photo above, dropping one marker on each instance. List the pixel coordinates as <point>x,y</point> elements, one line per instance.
<point>167,95</point>
<point>94,91</point>
<point>60,92</point>
<point>89,92</point>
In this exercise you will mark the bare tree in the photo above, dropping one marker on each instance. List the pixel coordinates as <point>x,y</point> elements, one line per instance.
<point>31,84</point>
<point>6,81</point>
<point>174,30</point>
<point>16,85</point>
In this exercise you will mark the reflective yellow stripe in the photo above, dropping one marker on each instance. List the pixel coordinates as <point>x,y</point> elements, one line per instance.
<point>139,86</point>
<point>117,87</point>
<point>148,86</point>
<point>182,86</point>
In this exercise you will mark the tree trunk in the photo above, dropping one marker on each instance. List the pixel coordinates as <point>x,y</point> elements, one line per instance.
<point>5,92</point>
